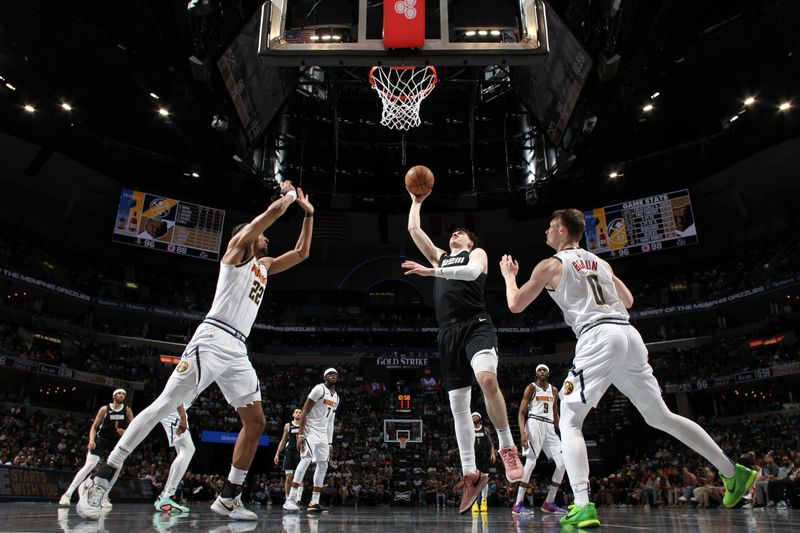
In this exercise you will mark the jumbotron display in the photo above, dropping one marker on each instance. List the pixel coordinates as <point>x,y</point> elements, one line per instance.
<point>639,226</point>
<point>174,226</point>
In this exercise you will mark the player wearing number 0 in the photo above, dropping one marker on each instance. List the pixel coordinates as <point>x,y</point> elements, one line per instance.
<point>538,416</point>
<point>467,345</point>
<point>217,354</point>
<point>609,352</point>
<point>315,440</point>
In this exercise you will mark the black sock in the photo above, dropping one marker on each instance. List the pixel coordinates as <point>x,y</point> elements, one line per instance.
<point>106,472</point>
<point>229,490</point>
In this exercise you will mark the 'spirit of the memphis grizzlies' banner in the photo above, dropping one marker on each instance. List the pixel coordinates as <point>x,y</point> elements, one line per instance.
<point>174,226</point>
<point>222,437</point>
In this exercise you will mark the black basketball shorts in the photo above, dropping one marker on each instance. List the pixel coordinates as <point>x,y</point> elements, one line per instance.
<point>458,343</point>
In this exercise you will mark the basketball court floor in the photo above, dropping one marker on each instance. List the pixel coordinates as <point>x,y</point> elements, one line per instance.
<point>41,517</point>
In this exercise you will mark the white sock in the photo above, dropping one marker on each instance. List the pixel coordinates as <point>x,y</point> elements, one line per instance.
<point>505,437</point>
<point>521,493</point>
<point>485,492</point>
<point>465,430</point>
<point>315,497</point>
<point>296,493</point>
<point>581,492</point>
<point>236,476</point>
<point>551,494</point>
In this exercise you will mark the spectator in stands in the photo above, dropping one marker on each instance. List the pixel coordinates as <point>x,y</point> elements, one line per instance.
<point>689,483</point>
<point>767,473</point>
<point>777,490</point>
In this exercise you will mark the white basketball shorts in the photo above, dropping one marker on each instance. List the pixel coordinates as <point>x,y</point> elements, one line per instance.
<point>317,448</point>
<point>541,437</point>
<point>170,425</point>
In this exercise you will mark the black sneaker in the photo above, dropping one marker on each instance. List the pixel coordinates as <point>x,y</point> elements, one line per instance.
<point>315,508</point>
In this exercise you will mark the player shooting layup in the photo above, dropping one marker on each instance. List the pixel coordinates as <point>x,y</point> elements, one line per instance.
<point>609,352</point>
<point>467,344</point>
<point>217,353</point>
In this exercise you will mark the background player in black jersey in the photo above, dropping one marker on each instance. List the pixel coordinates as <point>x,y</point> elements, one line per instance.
<point>485,454</point>
<point>289,444</point>
<point>467,344</point>
<point>108,426</point>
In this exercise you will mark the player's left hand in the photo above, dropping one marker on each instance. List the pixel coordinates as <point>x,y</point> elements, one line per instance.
<point>181,427</point>
<point>493,458</point>
<point>304,201</point>
<point>508,266</point>
<point>415,268</point>
<point>120,431</point>
<point>301,443</point>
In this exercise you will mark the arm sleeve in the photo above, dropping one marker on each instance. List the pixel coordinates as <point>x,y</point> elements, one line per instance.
<point>316,393</point>
<point>468,272</point>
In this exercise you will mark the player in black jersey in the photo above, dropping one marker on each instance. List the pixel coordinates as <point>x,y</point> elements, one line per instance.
<point>485,454</point>
<point>108,426</point>
<point>289,443</point>
<point>467,344</point>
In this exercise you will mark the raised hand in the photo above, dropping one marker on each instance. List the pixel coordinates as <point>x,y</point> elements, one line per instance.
<point>286,186</point>
<point>304,201</point>
<point>508,266</point>
<point>415,268</point>
<point>419,198</point>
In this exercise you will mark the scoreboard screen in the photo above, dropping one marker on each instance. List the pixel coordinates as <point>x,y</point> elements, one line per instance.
<point>402,403</point>
<point>174,226</point>
<point>639,226</point>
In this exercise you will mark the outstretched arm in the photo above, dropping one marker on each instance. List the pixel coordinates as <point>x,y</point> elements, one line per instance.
<point>303,246</point>
<point>545,273</point>
<point>247,236</point>
<point>98,420</point>
<point>282,443</point>
<point>478,264</point>
<point>421,239</point>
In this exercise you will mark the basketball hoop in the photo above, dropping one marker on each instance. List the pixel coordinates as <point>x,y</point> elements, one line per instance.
<point>401,90</point>
<point>403,441</point>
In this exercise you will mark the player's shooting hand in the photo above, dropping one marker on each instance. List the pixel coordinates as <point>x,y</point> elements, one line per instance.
<point>415,268</point>
<point>120,431</point>
<point>304,202</point>
<point>286,186</point>
<point>419,198</point>
<point>91,445</point>
<point>508,266</point>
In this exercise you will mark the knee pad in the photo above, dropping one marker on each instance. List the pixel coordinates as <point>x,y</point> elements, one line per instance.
<point>460,400</point>
<point>485,361</point>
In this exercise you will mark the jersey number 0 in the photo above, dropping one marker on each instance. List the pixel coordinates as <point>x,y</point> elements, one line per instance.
<point>597,289</point>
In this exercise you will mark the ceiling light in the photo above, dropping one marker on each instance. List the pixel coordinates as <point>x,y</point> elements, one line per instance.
<point>483,32</point>
<point>647,108</point>
<point>315,37</point>
<point>734,118</point>
<point>784,106</point>
<point>195,175</point>
<point>470,33</point>
<point>655,95</point>
<point>326,37</point>
<point>154,96</point>
<point>65,106</point>
<point>750,100</point>
<point>2,78</point>
<point>163,112</point>
<point>11,87</point>
<point>29,108</point>
<point>495,32</point>
<point>337,37</point>
<point>613,174</point>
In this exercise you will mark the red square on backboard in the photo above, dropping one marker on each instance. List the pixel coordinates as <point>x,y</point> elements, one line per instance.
<point>403,23</point>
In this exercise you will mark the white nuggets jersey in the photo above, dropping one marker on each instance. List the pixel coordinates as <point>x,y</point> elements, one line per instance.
<point>240,289</point>
<point>586,292</point>
<point>322,412</point>
<point>541,404</point>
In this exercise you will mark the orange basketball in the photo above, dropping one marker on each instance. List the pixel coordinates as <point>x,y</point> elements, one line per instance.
<point>419,180</point>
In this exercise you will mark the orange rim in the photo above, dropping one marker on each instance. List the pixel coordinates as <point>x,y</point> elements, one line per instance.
<point>404,67</point>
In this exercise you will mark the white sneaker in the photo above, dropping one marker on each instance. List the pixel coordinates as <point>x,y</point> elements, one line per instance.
<point>106,503</point>
<point>781,505</point>
<point>90,496</point>
<point>747,506</point>
<point>291,506</point>
<point>233,508</point>
<point>65,500</point>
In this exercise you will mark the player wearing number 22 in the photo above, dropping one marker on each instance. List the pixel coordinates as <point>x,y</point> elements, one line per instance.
<point>609,351</point>
<point>467,345</point>
<point>217,353</point>
<point>315,440</point>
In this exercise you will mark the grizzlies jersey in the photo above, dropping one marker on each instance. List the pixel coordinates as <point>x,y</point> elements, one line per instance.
<point>541,404</point>
<point>291,439</point>
<point>586,292</point>
<point>457,299</point>
<point>240,289</point>
<point>112,421</point>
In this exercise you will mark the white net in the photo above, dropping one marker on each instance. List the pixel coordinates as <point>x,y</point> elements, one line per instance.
<point>401,90</point>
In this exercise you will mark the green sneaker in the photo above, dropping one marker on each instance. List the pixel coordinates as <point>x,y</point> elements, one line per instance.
<point>581,516</point>
<point>168,505</point>
<point>738,485</point>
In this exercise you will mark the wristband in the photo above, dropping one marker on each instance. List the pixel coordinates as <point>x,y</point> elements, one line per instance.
<point>309,214</point>
<point>291,194</point>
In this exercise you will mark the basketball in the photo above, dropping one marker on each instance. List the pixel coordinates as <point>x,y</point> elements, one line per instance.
<point>419,180</point>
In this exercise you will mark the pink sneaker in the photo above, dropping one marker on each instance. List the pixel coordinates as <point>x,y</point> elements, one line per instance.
<point>473,485</point>
<point>551,507</point>
<point>512,464</point>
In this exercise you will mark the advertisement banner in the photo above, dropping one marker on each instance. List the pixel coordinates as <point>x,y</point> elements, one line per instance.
<point>39,484</point>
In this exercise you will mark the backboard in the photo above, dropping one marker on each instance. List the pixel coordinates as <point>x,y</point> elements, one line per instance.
<point>351,33</point>
<point>394,429</point>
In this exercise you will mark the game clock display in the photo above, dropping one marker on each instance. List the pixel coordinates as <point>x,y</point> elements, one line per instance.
<point>639,226</point>
<point>168,225</point>
<point>403,403</point>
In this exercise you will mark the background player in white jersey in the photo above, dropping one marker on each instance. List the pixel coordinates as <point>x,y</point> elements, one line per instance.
<point>288,444</point>
<point>609,352</point>
<point>467,345</point>
<point>107,427</point>
<point>217,353</point>
<point>538,416</point>
<point>176,427</point>
<point>315,440</point>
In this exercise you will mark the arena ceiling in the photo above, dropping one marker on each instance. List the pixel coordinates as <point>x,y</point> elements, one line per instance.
<point>694,62</point>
